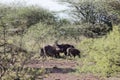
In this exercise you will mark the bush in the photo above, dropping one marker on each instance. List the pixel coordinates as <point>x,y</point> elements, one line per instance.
<point>19,19</point>
<point>103,53</point>
<point>95,31</point>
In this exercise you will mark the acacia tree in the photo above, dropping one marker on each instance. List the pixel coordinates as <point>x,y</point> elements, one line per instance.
<point>93,12</point>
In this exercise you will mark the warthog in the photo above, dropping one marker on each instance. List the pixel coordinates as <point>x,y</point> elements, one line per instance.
<point>49,51</point>
<point>73,52</point>
<point>63,47</point>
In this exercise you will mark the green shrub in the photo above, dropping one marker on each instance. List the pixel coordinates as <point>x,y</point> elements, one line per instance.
<point>103,53</point>
<point>20,18</point>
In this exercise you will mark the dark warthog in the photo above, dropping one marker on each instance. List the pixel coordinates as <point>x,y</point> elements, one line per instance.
<point>73,52</point>
<point>49,51</point>
<point>63,47</point>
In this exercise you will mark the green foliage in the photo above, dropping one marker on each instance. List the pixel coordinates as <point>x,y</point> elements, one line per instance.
<point>38,35</point>
<point>41,34</point>
<point>19,18</point>
<point>102,54</point>
<point>115,6</point>
<point>96,15</point>
<point>40,27</point>
<point>15,67</point>
<point>93,31</point>
<point>35,14</point>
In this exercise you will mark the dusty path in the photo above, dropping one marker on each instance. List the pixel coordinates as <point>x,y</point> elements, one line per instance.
<point>60,69</point>
<point>50,63</point>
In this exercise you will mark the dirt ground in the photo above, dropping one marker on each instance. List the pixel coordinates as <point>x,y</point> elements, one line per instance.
<point>62,69</point>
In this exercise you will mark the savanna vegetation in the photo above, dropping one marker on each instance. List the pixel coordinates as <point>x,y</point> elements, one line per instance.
<point>102,55</point>
<point>94,29</point>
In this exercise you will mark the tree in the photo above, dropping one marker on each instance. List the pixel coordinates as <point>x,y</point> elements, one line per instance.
<point>20,18</point>
<point>95,13</point>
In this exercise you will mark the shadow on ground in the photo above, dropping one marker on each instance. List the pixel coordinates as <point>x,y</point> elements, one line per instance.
<point>59,70</point>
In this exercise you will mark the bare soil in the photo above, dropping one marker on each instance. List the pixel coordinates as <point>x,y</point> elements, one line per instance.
<point>61,69</point>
